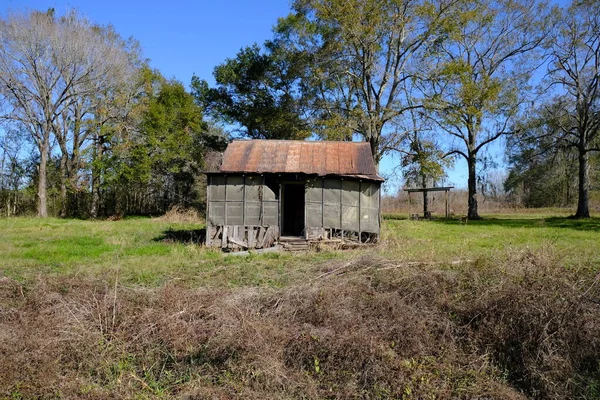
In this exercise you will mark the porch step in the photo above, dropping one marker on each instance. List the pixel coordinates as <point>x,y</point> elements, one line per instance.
<point>294,243</point>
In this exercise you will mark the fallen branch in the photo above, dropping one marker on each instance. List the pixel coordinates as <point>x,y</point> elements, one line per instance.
<point>413,263</point>
<point>333,271</point>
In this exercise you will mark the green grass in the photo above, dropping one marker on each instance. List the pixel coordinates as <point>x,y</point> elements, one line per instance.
<point>142,251</point>
<point>139,251</point>
<point>575,241</point>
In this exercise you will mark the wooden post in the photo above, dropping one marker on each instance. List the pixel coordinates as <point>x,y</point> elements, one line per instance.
<point>261,194</point>
<point>323,203</point>
<point>409,205</point>
<point>225,205</point>
<point>244,200</point>
<point>224,237</point>
<point>342,208</point>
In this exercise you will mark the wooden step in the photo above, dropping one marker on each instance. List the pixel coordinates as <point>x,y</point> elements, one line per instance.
<point>296,245</point>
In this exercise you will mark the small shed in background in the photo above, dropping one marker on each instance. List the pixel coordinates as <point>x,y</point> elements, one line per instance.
<point>267,190</point>
<point>425,191</point>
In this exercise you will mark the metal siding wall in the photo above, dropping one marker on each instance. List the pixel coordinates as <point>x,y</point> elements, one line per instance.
<point>217,213</point>
<point>369,207</point>
<point>235,188</point>
<point>350,201</point>
<point>314,203</point>
<point>268,194</point>
<point>331,203</point>
<point>252,209</point>
<point>271,213</point>
<point>235,213</point>
<point>217,188</point>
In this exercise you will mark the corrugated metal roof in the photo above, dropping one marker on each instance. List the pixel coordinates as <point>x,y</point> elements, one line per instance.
<point>295,156</point>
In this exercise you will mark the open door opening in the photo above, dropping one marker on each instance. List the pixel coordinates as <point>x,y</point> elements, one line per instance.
<point>293,209</point>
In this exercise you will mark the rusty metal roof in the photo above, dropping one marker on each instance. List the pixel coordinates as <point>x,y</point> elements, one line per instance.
<point>352,159</point>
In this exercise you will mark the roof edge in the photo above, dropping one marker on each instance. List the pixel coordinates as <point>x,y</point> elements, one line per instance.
<point>365,177</point>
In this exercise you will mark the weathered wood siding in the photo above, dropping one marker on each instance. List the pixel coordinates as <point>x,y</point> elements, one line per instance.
<point>342,204</point>
<point>244,210</point>
<point>241,209</point>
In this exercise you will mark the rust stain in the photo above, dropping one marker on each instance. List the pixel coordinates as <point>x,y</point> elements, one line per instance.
<point>351,159</point>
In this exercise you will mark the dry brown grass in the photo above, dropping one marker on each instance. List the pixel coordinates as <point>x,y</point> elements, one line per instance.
<point>181,215</point>
<point>362,329</point>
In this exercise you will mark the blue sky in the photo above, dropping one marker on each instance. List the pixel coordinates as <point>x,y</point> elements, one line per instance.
<point>179,37</point>
<point>182,38</point>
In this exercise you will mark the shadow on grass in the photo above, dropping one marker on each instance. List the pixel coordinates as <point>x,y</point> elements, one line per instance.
<point>591,224</point>
<point>186,236</point>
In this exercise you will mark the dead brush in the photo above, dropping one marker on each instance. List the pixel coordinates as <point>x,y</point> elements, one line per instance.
<point>488,329</point>
<point>539,322</point>
<point>181,215</point>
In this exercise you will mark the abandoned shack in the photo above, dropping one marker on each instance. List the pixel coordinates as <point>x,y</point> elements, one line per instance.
<point>269,190</point>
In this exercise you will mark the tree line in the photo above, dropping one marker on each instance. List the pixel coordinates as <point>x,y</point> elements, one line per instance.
<point>86,119</point>
<point>88,128</point>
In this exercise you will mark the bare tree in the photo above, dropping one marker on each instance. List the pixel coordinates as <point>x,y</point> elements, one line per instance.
<point>47,64</point>
<point>575,70</point>
<point>103,101</point>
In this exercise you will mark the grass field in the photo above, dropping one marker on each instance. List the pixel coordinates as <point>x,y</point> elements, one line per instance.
<point>150,252</point>
<point>505,307</point>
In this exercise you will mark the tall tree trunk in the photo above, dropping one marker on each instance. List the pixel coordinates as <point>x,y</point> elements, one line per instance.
<point>374,143</point>
<point>583,210</point>
<point>42,181</point>
<point>472,186</point>
<point>425,197</point>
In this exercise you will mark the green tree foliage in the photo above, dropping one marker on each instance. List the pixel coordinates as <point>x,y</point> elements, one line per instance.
<point>542,171</point>
<point>542,181</point>
<point>424,163</point>
<point>481,80</point>
<point>361,57</point>
<point>422,158</point>
<point>157,165</point>
<point>105,132</point>
<point>259,91</point>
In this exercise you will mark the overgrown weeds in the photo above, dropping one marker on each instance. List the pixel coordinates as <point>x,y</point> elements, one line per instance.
<point>365,329</point>
<point>181,215</point>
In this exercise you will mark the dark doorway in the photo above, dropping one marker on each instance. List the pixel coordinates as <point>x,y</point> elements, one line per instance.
<point>293,209</point>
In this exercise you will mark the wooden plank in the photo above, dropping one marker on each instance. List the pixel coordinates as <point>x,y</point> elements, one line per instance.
<point>243,200</point>
<point>267,237</point>
<point>251,237</point>
<point>238,242</point>
<point>208,235</point>
<point>224,237</point>
<point>261,235</point>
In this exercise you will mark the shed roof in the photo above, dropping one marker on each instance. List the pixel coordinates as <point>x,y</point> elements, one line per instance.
<point>353,159</point>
